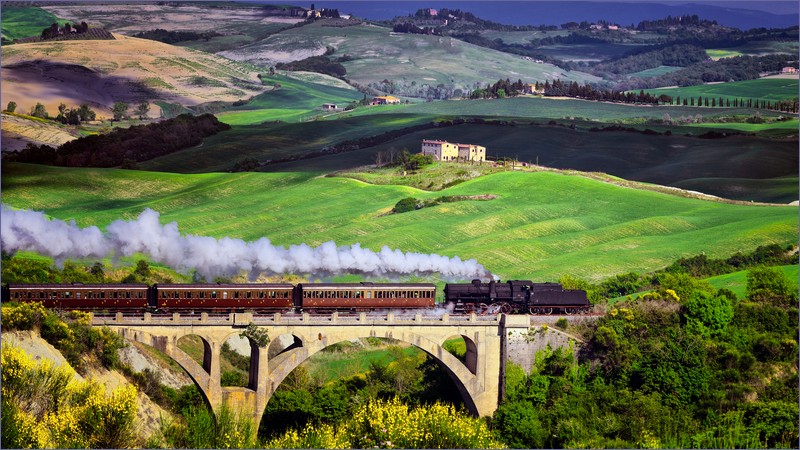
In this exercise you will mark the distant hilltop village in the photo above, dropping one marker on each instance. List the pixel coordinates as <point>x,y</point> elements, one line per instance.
<point>446,151</point>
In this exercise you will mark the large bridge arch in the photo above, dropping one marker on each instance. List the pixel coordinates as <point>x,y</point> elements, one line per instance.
<point>283,364</point>
<point>478,381</point>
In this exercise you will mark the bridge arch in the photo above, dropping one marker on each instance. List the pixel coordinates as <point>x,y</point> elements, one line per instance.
<point>283,364</point>
<point>201,375</point>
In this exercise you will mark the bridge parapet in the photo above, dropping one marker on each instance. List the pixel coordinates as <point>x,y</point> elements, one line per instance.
<point>244,319</point>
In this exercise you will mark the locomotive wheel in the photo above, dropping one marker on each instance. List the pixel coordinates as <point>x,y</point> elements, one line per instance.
<point>505,308</point>
<point>569,311</point>
<point>482,308</point>
<point>548,311</point>
<point>533,310</point>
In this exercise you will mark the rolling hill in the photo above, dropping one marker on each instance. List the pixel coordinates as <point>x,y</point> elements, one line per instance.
<point>542,225</point>
<point>126,69</point>
<point>408,59</point>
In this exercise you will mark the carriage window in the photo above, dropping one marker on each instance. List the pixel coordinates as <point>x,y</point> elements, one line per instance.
<point>127,294</point>
<point>235,294</point>
<point>358,294</point>
<point>66,294</point>
<point>213,294</point>
<point>368,294</point>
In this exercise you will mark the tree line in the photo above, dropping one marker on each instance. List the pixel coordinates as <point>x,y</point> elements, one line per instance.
<point>174,37</point>
<point>558,88</point>
<point>507,88</point>
<point>124,146</point>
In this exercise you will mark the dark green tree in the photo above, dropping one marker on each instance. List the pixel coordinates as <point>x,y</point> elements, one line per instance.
<point>120,110</point>
<point>142,109</point>
<point>12,106</point>
<point>39,111</point>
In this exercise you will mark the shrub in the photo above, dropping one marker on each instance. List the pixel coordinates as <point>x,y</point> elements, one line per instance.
<point>406,205</point>
<point>44,406</point>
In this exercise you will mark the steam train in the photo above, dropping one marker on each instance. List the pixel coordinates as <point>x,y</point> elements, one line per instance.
<point>515,296</point>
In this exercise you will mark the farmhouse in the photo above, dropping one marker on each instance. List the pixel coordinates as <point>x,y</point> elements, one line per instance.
<point>446,151</point>
<point>385,100</point>
<point>789,69</point>
<point>329,107</point>
<point>531,89</point>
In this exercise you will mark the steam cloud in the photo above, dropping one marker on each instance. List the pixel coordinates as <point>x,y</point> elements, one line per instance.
<point>22,230</point>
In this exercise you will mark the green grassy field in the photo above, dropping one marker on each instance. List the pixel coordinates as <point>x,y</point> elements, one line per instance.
<point>737,282</point>
<point>764,128</point>
<point>557,108</point>
<point>755,48</point>
<point>541,226</point>
<point>717,54</point>
<point>26,21</point>
<point>770,89</point>
<point>295,101</point>
<point>658,71</point>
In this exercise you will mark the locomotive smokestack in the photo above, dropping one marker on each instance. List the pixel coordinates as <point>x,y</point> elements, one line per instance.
<point>30,230</point>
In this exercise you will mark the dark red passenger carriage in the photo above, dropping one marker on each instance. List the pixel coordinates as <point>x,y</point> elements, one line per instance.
<point>81,296</point>
<point>225,297</point>
<point>365,296</point>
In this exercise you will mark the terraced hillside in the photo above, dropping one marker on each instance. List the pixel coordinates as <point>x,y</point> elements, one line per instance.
<point>126,69</point>
<point>541,225</point>
<point>235,23</point>
<point>403,58</point>
<point>18,131</point>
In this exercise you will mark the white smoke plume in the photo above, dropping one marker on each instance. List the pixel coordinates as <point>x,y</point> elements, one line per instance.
<point>22,230</point>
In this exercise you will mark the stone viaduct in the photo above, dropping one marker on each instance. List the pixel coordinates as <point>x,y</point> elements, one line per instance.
<point>478,378</point>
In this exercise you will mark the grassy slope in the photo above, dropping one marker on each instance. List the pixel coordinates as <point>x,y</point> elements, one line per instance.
<point>769,89</point>
<point>541,226</point>
<point>658,71</point>
<point>380,54</point>
<point>26,21</point>
<point>737,281</point>
<point>295,101</point>
<point>755,169</point>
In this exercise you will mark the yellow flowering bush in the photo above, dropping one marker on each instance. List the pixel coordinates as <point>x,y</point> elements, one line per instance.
<point>23,316</point>
<point>46,407</point>
<point>321,436</point>
<point>393,424</point>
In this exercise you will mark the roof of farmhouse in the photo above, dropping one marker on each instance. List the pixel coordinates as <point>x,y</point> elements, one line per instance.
<point>431,141</point>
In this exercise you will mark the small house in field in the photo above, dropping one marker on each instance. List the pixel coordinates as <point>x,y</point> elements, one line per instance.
<point>329,107</point>
<point>385,100</point>
<point>789,69</point>
<point>531,89</point>
<point>447,151</point>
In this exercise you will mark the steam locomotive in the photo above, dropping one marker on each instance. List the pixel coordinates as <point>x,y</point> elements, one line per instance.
<point>515,296</point>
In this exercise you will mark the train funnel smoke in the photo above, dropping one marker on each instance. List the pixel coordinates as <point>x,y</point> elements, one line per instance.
<point>25,230</point>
